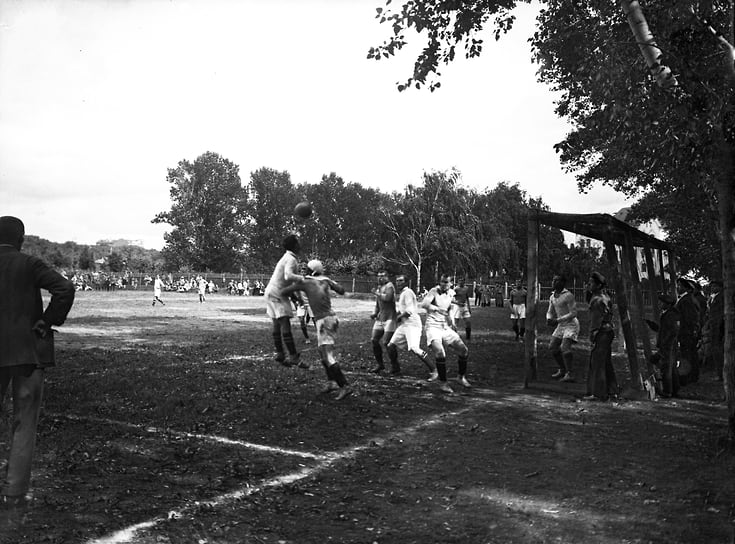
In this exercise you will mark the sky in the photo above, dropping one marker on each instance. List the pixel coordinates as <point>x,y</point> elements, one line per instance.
<point>99,99</point>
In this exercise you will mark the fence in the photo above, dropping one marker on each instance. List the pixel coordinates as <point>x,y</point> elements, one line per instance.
<point>353,284</point>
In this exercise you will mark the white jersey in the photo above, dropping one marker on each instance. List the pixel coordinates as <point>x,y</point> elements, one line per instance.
<point>407,304</point>
<point>437,318</point>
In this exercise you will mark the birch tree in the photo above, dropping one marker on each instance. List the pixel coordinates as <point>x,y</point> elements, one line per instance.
<point>650,95</point>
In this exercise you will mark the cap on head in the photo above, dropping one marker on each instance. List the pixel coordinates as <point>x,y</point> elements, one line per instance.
<point>315,266</point>
<point>11,230</point>
<point>599,278</point>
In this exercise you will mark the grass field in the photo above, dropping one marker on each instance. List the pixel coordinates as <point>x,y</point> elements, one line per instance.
<point>172,424</point>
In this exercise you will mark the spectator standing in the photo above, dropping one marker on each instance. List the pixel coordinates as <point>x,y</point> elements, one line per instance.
<point>601,380</point>
<point>665,359</point>
<point>26,349</point>
<point>689,331</point>
<point>498,295</point>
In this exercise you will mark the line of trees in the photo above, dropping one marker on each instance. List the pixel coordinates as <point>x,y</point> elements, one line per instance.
<point>106,255</point>
<point>220,224</point>
<point>652,107</point>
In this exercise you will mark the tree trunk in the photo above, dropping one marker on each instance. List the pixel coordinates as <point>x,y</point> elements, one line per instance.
<point>647,44</point>
<point>726,199</point>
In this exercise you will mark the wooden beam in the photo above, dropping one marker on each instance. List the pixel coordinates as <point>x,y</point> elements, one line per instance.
<point>622,302</point>
<point>662,269</point>
<point>654,285</point>
<point>672,273</point>
<point>637,307</point>
<point>531,352</point>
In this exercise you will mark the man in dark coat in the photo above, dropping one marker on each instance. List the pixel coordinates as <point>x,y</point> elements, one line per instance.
<point>689,330</point>
<point>26,349</point>
<point>666,342</point>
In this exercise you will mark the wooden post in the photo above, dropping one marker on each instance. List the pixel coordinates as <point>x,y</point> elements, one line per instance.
<point>531,299</point>
<point>662,269</point>
<point>653,282</point>
<point>672,273</point>
<point>622,301</point>
<point>637,299</point>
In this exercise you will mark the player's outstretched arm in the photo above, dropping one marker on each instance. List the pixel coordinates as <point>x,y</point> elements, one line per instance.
<point>336,287</point>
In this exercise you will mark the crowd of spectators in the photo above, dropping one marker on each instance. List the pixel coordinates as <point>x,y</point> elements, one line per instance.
<point>101,281</point>
<point>111,281</point>
<point>246,287</point>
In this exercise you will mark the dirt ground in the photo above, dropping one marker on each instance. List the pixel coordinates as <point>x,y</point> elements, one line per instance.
<point>171,424</point>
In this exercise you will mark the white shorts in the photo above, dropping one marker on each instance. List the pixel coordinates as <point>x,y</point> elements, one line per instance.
<point>326,330</point>
<point>460,312</point>
<point>518,311</point>
<point>568,329</point>
<point>300,311</point>
<point>407,337</point>
<point>277,307</point>
<point>389,325</point>
<point>447,336</point>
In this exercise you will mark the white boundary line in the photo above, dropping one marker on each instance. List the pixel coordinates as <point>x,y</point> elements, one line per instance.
<point>205,437</point>
<point>128,534</point>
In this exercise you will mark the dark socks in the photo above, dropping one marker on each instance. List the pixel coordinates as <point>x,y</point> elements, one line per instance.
<point>337,375</point>
<point>568,357</point>
<point>441,368</point>
<point>378,352</point>
<point>288,340</point>
<point>559,360</point>
<point>277,342</point>
<point>462,366</point>
<point>393,356</point>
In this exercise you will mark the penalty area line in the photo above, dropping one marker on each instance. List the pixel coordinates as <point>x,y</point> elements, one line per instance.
<point>127,534</point>
<point>204,437</point>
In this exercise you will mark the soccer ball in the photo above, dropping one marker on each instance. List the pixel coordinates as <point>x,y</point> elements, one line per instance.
<point>303,209</point>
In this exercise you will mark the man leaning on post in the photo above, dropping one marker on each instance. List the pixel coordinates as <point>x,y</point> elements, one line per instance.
<point>26,350</point>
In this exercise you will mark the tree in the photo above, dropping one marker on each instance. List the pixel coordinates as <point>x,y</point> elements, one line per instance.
<point>345,221</point>
<point>115,262</point>
<point>86,259</point>
<point>271,199</point>
<point>629,132</point>
<point>690,218</point>
<point>207,215</point>
<point>433,224</point>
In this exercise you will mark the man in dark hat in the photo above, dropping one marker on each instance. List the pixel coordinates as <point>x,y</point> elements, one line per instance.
<point>26,349</point>
<point>689,330</point>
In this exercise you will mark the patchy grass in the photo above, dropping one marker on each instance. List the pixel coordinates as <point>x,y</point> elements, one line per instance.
<point>176,417</point>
